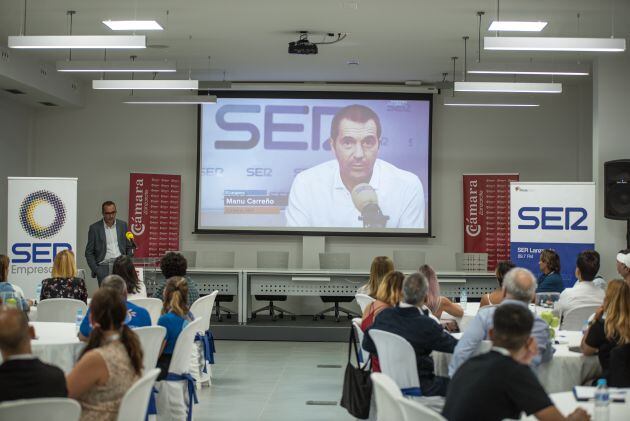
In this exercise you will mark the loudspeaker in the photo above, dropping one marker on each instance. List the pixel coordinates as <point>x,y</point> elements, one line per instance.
<point>617,189</point>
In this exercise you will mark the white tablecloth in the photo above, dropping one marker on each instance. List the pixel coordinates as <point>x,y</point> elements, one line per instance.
<point>566,403</point>
<point>471,311</point>
<point>56,344</point>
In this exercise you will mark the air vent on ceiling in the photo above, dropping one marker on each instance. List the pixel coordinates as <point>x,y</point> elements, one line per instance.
<point>48,104</point>
<point>15,91</point>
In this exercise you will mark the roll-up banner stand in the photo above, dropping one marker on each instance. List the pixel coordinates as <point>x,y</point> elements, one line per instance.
<point>558,216</point>
<point>41,222</point>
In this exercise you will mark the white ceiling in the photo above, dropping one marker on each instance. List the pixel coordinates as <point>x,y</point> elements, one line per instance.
<point>394,40</point>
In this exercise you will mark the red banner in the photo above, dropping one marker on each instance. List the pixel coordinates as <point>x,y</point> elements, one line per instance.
<point>154,201</point>
<point>487,215</point>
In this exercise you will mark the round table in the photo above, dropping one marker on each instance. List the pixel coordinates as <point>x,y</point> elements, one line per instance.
<point>566,403</point>
<point>56,344</point>
<point>471,311</point>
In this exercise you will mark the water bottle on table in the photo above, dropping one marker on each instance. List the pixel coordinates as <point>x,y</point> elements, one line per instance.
<point>78,319</point>
<point>38,293</point>
<point>463,298</point>
<point>602,400</point>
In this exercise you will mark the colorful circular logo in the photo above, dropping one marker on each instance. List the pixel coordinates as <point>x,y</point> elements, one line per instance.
<point>30,205</point>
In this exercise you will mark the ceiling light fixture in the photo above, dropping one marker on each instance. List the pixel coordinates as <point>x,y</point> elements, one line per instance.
<point>77,41</point>
<point>555,44</point>
<point>133,25</point>
<point>87,66</point>
<point>497,105</point>
<point>509,87</point>
<point>517,26</point>
<point>173,100</point>
<point>145,84</point>
<point>490,100</point>
<point>532,69</point>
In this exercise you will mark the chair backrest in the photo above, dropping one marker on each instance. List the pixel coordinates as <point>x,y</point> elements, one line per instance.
<point>471,262</point>
<point>356,324</point>
<point>396,358</point>
<point>387,394</point>
<point>152,305</point>
<point>62,310</point>
<point>575,317</point>
<point>409,259</point>
<point>216,259</point>
<point>134,404</point>
<point>202,308</point>
<point>415,411</point>
<point>49,409</point>
<point>272,259</point>
<point>180,362</point>
<point>151,339</point>
<point>190,255</point>
<point>334,260</point>
<point>363,300</point>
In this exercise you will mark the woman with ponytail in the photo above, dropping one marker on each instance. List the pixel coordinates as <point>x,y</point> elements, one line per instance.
<point>110,363</point>
<point>175,316</point>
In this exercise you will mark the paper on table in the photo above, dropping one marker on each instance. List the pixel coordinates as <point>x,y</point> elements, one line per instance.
<point>585,393</point>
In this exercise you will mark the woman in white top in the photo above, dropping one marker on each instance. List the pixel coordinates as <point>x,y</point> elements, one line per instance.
<point>436,303</point>
<point>496,296</point>
<point>123,267</point>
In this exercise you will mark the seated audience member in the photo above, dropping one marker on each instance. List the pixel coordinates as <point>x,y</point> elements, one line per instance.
<point>175,316</point>
<point>519,286</point>
<point>9,292</point>
<point>22,375</point>
<point>174,264</point>
<point>381,265</point>
<point>619,373</point>
<point>549,279</point>
<point>610,327</point>
<point>388,295</point>
<point>584,292</point>
<point>623,264</point>
<point>496,296</point>
<point>110,363</point>
<point>123,267</point>
<point>423,333</point>
<point>64,282</point>
<point>436,303</point>
<point>136,316</point>
<point>499,384</point>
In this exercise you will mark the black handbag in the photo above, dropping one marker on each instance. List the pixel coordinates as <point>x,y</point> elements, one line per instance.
<point>357,385</point>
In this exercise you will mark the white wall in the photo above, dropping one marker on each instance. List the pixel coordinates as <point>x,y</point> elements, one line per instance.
<point>611,140</point>
<point>16,122</point>
<point>101,143</point>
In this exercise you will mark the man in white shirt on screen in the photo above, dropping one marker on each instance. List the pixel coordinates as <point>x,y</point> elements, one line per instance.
<point>322,196</point>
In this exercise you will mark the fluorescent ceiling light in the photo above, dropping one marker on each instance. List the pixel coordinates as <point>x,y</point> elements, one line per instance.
<point>153,66</point>
<point>78,41</point>
<point>173,100</point>
<point>481,100</point>
<point>133,25</point>
<point>519,26</point>
<point>509,87</point>
<point>554,44</point>
<point>535,69</point>
<point>145,84</point>
<point>497,105</point>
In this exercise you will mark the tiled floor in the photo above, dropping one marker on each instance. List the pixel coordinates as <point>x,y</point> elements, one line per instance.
<point>274,381</point>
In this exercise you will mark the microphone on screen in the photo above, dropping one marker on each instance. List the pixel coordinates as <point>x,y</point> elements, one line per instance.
<point>366,201</point>
<point>130,237</point>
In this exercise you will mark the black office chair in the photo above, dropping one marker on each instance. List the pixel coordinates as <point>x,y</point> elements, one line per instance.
<point>335,261</point>
<point>218,259</point>
<point>273,260</point>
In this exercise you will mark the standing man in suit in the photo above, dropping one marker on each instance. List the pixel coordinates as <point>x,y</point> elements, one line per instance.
<point>106,241</point>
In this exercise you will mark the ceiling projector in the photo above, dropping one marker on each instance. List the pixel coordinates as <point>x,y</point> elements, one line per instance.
<point>302,46</point>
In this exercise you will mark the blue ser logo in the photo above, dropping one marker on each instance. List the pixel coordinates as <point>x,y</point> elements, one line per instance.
<point>552,218</point>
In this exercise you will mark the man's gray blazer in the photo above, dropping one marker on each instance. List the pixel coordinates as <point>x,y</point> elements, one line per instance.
<point>97,243</point>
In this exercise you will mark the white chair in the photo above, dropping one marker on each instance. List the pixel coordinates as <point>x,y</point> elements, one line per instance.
<point>134,404</point>
<point>574,318</point>
<point>396,358</point>
<point>363,300</point>
<point>63,310</point>
<point>202,308</point>
<point>387,395</point>
<point>415,411</point>
<point>152,305</point>
<point>151,339</point>
<point>49,409</point>
<point>356,324</point>
<point>175,397</point>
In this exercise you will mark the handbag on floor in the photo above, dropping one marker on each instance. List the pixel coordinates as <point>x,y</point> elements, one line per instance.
<point>357,385</point>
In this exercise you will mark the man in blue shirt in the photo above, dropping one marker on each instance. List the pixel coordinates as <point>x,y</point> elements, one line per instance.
<point>136,315</point>
<point>519,287</point>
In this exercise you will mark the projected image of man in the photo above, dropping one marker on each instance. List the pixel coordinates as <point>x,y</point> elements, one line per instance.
<point>356,189</point>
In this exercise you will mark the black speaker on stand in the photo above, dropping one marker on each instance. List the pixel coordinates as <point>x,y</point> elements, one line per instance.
<point>617,192</point>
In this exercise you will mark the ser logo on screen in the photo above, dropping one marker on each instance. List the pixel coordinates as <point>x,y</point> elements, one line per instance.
<point>37,252</point>
<point>552,218</point>
<point>259,172</point>
<point>210,171</point>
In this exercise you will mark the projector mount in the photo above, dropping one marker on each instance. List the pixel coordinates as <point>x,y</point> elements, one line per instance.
<point>303,46</point>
